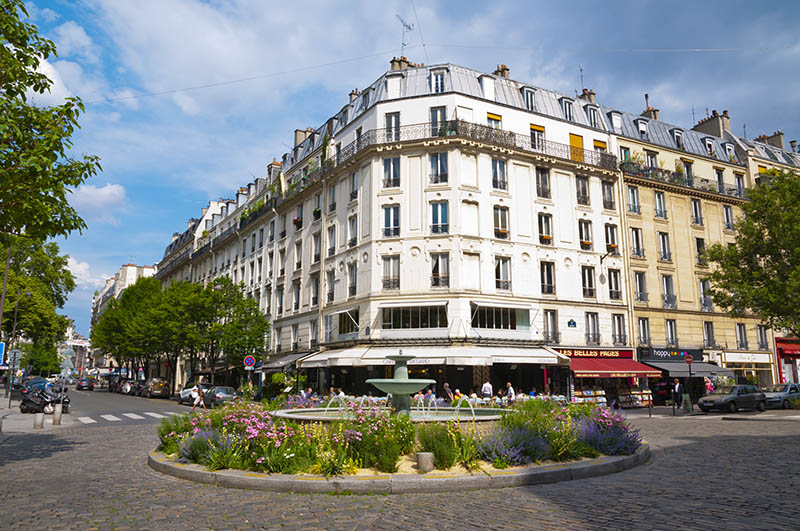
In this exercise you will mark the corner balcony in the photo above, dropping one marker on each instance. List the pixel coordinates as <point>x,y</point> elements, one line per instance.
<point>679,179</point>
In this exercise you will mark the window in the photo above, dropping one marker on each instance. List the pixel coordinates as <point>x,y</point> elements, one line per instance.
<point>548,276</point>
<point>642,129</point>
<point>663,247</point>
<point>618,334</point>
<point>499,181</point>
<point>640,284</point>
<point>331,240</point>
<point>582,188</point>
<point>709,147</point>
<point>566,107</point>
<point>438,119</point>
<point>332,197</point>
<point>244,247</point>
<point>438,168</point>
<point>546,229</point>
<point>501,222</point>
<point>391,221</point>
<point>727,215</point>
<point>592,329</point>
<point>260,238</point>
<point>316,243</point>
<point>529,97</point>
<point>678,138</point>
<point>393,126</point>
<point>634,207</point>
<point>739,184</point>
<point>352,227</point>
<point>315,290</point>
<point>551,334</point>
<point>282,261</point>
<point>731,152</point>
<point>614,291</point>
<point>439,218</point>
<point>651,158</point>
<point>587,279</point>
<point>660,202</point>
<point>272,230</point>
<point>741,336</point>
<point>501,318</point>
<point>298,255</point>
<point>688,170</point>
<point>719,172</point>
<point>391,271</point>
<point>668,291</point>
<point>671,332</point>
<point>354,185</point>
<point>495,121</point>
<point>278,339</point>
<point>700,246</point>
<point>414,317</point>
<point>537,137</point>
<point>611,239</point>
<point>330,280</point>
<point>349,322</point>
<point>502,272</point>
<point>761,332</point>
<point>644,331</point>
<point>608,195</point>
<point>352,278</point>
<point>594,117</point>
<point>440,270</point>
<point>543,182</point>
<point>391,172</point>
<point>279,295</point>
<point>624,154</point>
<point>296,295</point>
<point>437,82</point>
<point>637,248</point>
<point>313,334</point>
<point>585,234</point>
<point>708,334</point>
<point>697,212</point>
<point>253,243</point>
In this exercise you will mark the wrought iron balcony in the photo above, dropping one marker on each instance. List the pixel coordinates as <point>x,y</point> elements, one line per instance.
<point>741,344</point>
<point>295,346</point>
<point>500,184</point>
<point>317,214</point>
<point>502,284</point>
<point>391,283</point>
<point>592,338</point>
<point>389,183</point>
<point>679,179</point>
<point>609,204</point>
<point>314,300</point>
<point>669,301</point>
<point>619,339</point>
<point>615,294</point>
<point>634,208</point>
<point>282,272</point>
<point>641,296</point>
<point>665,256</point>
<point>644,341</point>
<point>548,289</point>
<point>331,251</point>
<point>316,257</point>
<point>351,242</point>
<point>543,191</point>
<point>441,228</point>
<point>637,252</point>
<point>697,220</point>
<point>709,342</point>
<point>661,213</point>
<point>763,346</point>
<point>501,233</point>
<point>332,207</point>
<point>583,199</point>
<point>330,296</point>
<point>391,232</point>
<point>440,281</point>
<point>612,249</point>
<point>672,341</point>
<point>551,337</point>
<point>314,344</point>
<point>438,178</point>
<point>545,239</point>
<point>589,292</point>
<point>353,195</point>
<point>298,266</point>
<point>586,245</point>
<point>351,290</point>
<point>283,233</point>
<point>728,225</point>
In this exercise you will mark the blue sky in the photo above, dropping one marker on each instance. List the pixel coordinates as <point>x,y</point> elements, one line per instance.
<point>168,146</point>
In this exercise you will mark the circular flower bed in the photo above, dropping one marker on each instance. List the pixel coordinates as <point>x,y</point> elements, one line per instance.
<point>246,436</point>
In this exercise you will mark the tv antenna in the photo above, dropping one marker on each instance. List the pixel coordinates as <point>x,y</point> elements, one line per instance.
<point>406,27</point>
<point>581,70</point>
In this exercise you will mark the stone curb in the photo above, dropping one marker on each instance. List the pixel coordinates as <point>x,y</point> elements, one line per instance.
<point>399,483</point>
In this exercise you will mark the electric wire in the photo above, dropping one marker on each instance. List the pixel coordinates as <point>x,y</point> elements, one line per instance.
<point>421,37</point>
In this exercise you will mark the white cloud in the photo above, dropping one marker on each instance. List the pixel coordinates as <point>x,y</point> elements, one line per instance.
<point>101,204</point>
<point>84,277</point>
<point>72,41</point>
<point>58,89</point>
<point>45,14</point>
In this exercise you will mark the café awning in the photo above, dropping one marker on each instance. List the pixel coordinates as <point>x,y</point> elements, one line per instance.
<point>346,357</point>
<point>680,369</point>
<point>611,368</point>
<point>281,363</point>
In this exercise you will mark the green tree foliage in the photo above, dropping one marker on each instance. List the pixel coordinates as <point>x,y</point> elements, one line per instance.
<point>760,273</point>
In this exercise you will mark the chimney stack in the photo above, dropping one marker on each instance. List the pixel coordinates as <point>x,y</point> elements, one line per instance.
<point>649,112</point>
<point>793,143</point>
<point>776,140</point>
<point>395,63</point>
<point>588,95</point>
<point>354,94</point>
<point>714,125</point>
<point>502,71</point>
<point>301,134</point>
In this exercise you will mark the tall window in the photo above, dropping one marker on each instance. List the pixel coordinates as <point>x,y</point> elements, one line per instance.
<point>543,182</point>
<point>706,304</point>
<point>585,234</point>
<point>663,247</point>
<point>330,283</point>
<point>393,126</point>
<point>296,295</point>
<point>354,185</point>
<point>566,107</point>
<point>438,118</point>
<point>502,272</point>
<point>495,121</point>
<point>727,215</point>
<point>282,261</point>
<point>761,333</point>
<point>739,184</point>
<point>678,139</point>
<point>272,230</point>
<point>637,247</point>
<point>313,333</point>
<point>260,238</point>
<point>391,172</point>
<point>624,154</point>
<point>499,181</point>
<point>587,279</point>
<point>614,290</point>
<point>551,334</point>
<point>548,276</point>
<point>537,137</point>
<point>315,290</point>
<point>708,334</point>
<point>618,334</point>
<point>720,173</point>
<point>700,246</point>
<point>298,255</point>
<point>668,291</point>
<point>634,206</point>
<point>612,245</point>
<point>439,218</point>
<point>391,271</point>
<point>352,227</point>
<point>697,212</point>
<point>644,330</point>
<point>545,229</point>
<point>279,295</point>
<point>651,158</point>
<point>440,270</point>
<point>688,169</point>
<point>352,278</point>
<point>609,203</point>
<point>437,80</point>
<point>582,188</point>
<point>640,283</point>
<point>594,118</point>
<point>391,221</point>
<point>741,336</point>
<point>501,222</point>
<point>660,203</point>
<point>671,332</point>
<point>529,97</point>
<point>332,240</point>
<point>438,167</point>
<point>332,197</point>
<point>642,129</point>
<point>592,329</point>
<point>317,246</point>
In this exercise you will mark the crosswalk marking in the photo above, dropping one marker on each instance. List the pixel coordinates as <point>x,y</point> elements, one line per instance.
<point>155,415</point>
<point>133,416</point>
<point>110,417</point>
<point>87,420</point>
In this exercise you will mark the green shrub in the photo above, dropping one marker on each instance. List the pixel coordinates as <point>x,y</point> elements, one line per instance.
<point>403,432</point>
<point>388,457</point>
<point>171,430</point>
<point>436,439</point>
<point>224,451</point>
<point>467,452</point>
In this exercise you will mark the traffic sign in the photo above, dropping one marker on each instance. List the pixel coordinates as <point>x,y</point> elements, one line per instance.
<point>248,368</point>
<point>2,351</point>
<point>249,362</point>
<point>689,359</point>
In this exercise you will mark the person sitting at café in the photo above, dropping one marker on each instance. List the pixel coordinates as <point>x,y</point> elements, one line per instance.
<point>532,391</point>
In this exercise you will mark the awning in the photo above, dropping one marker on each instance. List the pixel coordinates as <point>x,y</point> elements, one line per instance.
<point>281,363</point>
<point>407,303</point>
<point>611,368</point>
<point>531,355</point>
<point>430,355</point>
<point>347,357</point>
<point>680,369</point>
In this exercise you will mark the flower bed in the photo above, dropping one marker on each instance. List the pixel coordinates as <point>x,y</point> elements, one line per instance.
<point>248,437</point>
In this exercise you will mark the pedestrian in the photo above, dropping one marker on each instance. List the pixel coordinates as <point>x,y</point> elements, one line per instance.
<point>448,394</point>
<point>340,393</point>
<point>331,393</point>
<point>677,393</point>
<point>197,396</point>
<point>709,386</point>
<point>486,389</point>
<point>532,392</point>
<point>510,392</point>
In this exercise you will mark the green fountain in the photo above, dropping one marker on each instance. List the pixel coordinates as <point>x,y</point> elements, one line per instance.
<point>400,386</point>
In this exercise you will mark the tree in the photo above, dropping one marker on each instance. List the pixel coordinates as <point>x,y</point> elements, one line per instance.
<point>760,273</point>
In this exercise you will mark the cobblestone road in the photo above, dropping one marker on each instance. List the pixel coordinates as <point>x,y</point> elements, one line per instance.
<point>705,473</point>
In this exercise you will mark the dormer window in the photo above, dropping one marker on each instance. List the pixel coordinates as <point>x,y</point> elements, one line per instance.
<point>437,82</point>
<point>594,117</point>
<point>642,125</point>
<point>529,98</point>
<point>364,100</point>
<point>616,120</point>
<point>730,151</point>
<point>678,136</point>
<point>566,107</point>
<point>709,143</point>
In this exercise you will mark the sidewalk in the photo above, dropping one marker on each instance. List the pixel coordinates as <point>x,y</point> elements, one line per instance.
<point>16,422</point>
<point>666,412</point>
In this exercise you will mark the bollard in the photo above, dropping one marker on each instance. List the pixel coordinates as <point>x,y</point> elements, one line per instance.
<point>57,415</point>
<point>1,425</point>
<point>38,421</point>
<point>424,461</point>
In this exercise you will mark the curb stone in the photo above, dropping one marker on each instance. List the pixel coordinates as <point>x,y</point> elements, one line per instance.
<point>399,483</point>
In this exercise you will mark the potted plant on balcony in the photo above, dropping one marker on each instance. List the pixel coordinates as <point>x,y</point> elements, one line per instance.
<point>297,221</point>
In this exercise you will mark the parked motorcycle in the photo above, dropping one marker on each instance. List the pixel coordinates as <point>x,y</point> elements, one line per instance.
<point>42,401</point>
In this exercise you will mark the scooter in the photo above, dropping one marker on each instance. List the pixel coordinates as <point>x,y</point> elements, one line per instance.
<point>42,401</point>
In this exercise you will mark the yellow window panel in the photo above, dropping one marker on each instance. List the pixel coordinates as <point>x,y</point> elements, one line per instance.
<point>491,116</point>
<point>600,144</point>
<point>537,128</point>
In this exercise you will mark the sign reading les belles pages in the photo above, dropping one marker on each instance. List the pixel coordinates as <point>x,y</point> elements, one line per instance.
<point>596,353</point>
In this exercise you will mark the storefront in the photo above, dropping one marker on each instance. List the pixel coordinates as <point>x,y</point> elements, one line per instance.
<point>672,363</point>
<point>751,367</point>
<point>607,376</point>
<point>788,359</point>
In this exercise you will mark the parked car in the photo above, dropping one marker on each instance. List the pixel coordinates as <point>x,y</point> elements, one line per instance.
<point>156,387</point>
<point>782,395</point>
<point>138,387</point>
<point>219,395</point>
<point>185,396</point>
<point>731,398</point>
<point>85,383</point>
<point>126,387</point>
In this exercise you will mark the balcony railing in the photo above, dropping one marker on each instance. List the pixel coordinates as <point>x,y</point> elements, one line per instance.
<point>502,284</point>
<point>548,289</point>
<point>672,341</point>
<point>391,232</point>
<point>697,220</point>
<point>314,344</point>
<point>586,245</point>
<point>665,256</point>
<point>641,296</point>
<point>282,272</point>
<point>331,251</point>
<point>500,184</point>
<point>391,183</point>
<point>351,290</point>
<point>353,195</point>
<point>678,179</point>
<point>314,300</point>
<point>612,249</point>
<point>583,199</point>
<point>637,252</point>
<point>661,213</point>
<point>592,338</point>
<point>709,342</point>
<point>551,337</point>
<point>545,239</point>
<point>316,257</point>
<point>391,283</point>
<point>615,294</point>
<point>589,292</point>
<point>543,192</point>
<point>741,344</point>
<point>728,225</point>
<point>634,208</point>
<point>317,214</point>
<point>351,242</point>
<point>438,178</point>
<point>619,339</point>
<point>283,233</point>
<point>441,228</point>
<point>644,341</point>
<point>669,301</point>
<point>440,281</point>
<point>763,346</point>
<point>332,207</point>
<point>609,204</point>
<point>501,233</point>
<point>330,296</point>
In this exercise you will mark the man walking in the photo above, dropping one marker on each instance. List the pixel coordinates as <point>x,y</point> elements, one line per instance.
<point>486,389</point>
<point>197,396</point>
<point>677,394</point>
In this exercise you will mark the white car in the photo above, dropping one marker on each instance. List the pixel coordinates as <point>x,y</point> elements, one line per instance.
<point>185,396</point>
<point>53,378</point>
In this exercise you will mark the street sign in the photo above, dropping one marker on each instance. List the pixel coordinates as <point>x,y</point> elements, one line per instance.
<point>2,351</point>
<point>249,368</point>
<point>249,362</point>
<point>689,359</point>
<point>14,354</point>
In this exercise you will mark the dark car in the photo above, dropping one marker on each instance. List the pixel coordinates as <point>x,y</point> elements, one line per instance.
<point>85,383</point>
<point>731,398</point>
<point>219,395</point>
<point>156,387</point>
<point>782,395</point>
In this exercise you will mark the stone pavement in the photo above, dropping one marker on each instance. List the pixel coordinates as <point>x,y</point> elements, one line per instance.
<point>705,473</point>
<point>16,422</point>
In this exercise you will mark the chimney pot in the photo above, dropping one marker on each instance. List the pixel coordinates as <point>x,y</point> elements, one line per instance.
<point>793,143</point>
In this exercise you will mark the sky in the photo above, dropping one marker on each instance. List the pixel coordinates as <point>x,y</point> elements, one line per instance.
<point>186,100</point>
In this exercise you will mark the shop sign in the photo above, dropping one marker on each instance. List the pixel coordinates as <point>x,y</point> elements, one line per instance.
<point>788,347</point>
<point>595,353</point>
<point>747,357</point>
<point>668,354</point>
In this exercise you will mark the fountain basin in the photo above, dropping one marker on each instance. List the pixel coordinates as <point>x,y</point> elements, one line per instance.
<point>442,414</point>
<point>400,387</point>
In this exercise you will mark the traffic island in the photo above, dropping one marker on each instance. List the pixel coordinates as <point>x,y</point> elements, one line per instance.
<point>438,481</point>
